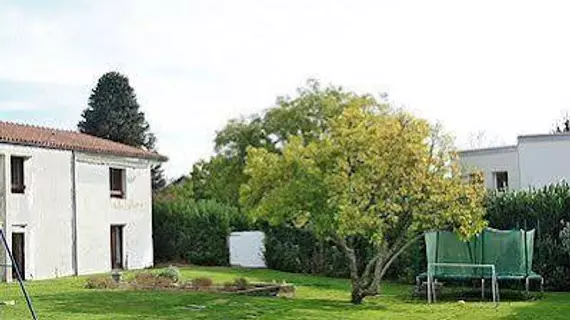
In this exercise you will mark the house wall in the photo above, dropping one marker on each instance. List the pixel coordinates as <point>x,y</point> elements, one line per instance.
<point>2,209</point>
<point>544,160</point>
<point>97,211</point>
<point>493,160</point>
<point>43,213</point>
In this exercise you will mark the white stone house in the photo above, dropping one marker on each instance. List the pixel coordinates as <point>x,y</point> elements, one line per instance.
<point>74,204</point>
<point>535,161</point>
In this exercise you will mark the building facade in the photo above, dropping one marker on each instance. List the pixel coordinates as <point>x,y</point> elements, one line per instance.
<point>535,161</point>
<point>73,204</point>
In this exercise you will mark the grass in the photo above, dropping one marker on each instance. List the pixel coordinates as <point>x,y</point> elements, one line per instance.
<point>316,298</point>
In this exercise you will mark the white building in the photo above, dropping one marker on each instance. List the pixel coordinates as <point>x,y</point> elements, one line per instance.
<point>535,161</point>
<point>73,204</point>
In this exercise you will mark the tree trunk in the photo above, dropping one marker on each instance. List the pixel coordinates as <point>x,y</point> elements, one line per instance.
<point>357,294</point>
<point>382,267</point>
<point>368,283</point>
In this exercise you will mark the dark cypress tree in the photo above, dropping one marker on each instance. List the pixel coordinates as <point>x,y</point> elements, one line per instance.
<point>113,113</point>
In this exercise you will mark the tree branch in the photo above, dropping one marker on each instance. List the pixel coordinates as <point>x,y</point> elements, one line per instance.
<point>369,266</point>
<point>381,267</point>
<point>394,256</point>
<point>349,252</point>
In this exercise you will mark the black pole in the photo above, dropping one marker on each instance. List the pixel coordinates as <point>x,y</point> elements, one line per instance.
<point>437,247</point>
<point>28,300</point>
<point>526,254</point>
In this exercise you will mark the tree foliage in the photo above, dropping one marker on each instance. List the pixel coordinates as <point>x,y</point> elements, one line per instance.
<point>305,114</point>
<point>113,113</point>
<point>367,170</point>
<point>218,179</point>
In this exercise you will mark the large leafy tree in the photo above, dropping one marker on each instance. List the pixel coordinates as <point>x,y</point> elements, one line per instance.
<point>305,114</point>
<point>218,179</point>
<point>113,113</point>
<point>371,172</point>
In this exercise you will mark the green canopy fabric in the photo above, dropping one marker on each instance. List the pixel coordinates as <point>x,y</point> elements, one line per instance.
<point>510,251</point>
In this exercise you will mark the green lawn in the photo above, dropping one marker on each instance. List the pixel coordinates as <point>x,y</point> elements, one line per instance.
<point>317,298</point>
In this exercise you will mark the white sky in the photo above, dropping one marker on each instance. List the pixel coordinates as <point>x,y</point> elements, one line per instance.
<point>498,66</point>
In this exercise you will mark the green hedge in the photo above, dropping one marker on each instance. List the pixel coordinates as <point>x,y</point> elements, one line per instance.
<point>189,231</point>
<point>196,232</point>
<point>543,209</point>
<point>293,250</point>
<point>289,249</point>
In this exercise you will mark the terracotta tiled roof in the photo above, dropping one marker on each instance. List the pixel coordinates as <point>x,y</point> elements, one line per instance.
<point>29,135</point>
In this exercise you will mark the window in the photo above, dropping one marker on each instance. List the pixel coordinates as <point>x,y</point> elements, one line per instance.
<point>116,247</point>
<point>17,171</point>
<point>117,182</point>
<point>501,180</point>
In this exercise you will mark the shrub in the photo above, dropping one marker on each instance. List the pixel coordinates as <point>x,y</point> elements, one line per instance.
<point>100,282</point>
<point>202,282</point>
<point>149,280</point>
<point>172,273</point>
<point>195,232</point>
<point>542,209</point>
<point>145,279</point>
<point>292,250</point>
<point>241,283</point>
<point>228,285</point>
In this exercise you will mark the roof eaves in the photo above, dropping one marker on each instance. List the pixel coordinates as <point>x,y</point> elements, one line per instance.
<point>510,148</point>
<point>142,155</point>
<point>544,137</point>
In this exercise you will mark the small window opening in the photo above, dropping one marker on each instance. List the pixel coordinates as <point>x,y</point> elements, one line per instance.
<point>117,182</point>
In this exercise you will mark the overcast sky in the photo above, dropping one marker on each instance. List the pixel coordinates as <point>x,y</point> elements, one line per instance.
<point>502,67</point>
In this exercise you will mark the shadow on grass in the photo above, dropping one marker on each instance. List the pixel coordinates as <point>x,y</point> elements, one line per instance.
<point>552,306</point>
<point>177,305</point>
<point>475,296</point>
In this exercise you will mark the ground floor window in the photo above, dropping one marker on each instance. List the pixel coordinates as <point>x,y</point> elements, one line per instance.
<point>117,247</point>
<point>18,245</point>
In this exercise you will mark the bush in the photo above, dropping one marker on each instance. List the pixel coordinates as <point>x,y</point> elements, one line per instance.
<point>241,283</point>
<point>542,209</point>
<point>292,250</point>
<point>149,280</point>
<point>172,273</point>
<point>145,279</point>
<point>100,282</point>
<point>202,282</point>
<point>189,231</point>
<point>236,284</point>
<point>228,285</point>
